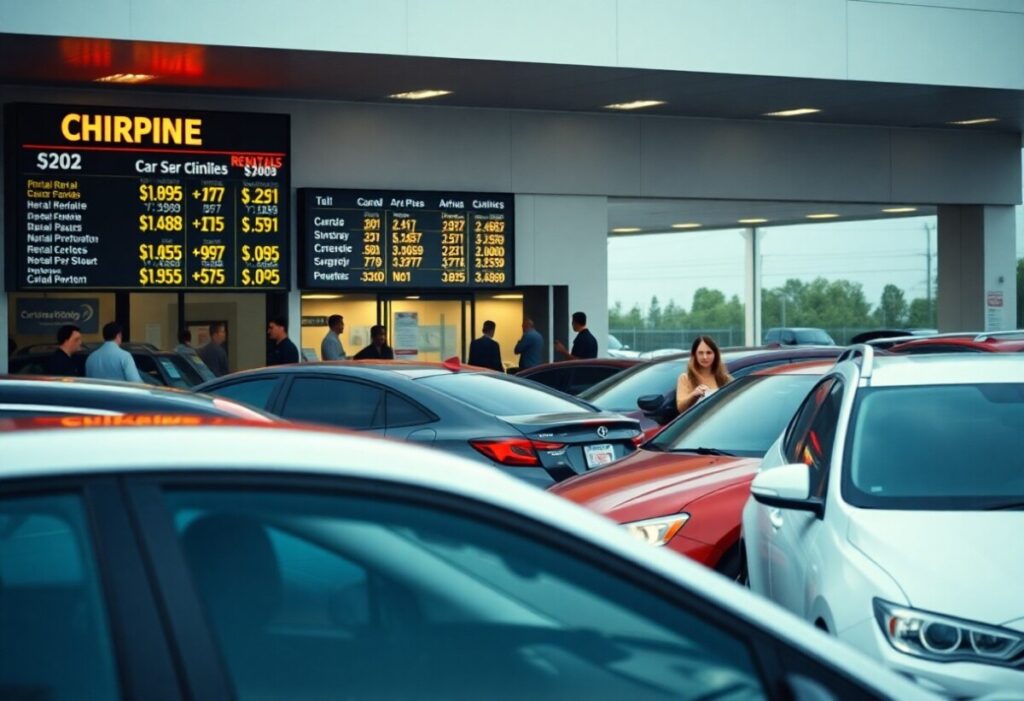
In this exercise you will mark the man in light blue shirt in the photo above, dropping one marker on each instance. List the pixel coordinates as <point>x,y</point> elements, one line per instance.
<point>109,361</point>
<point>331,347</point>
<point>530,346</point>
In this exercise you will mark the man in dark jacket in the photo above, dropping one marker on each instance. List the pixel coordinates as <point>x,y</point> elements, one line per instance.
<point>281,350</point>
<point>584,345</point>
<point>485,351</point>
<point>378,348</point>
<point>62,362</point>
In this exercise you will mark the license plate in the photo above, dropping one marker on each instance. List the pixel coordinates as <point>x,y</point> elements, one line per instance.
<point>598,455</point>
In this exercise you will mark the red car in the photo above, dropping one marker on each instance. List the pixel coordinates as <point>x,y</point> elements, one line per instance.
<point>686,488</point>
<point>980,344</point>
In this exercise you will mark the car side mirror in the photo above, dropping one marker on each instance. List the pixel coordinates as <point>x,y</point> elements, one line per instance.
<point>787,487</point>
<point>650,403</point>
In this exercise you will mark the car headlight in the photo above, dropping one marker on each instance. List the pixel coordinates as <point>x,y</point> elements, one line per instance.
<point>657,531</point>
<point>945,639</point>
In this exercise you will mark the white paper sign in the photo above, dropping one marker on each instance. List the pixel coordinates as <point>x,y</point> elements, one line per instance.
<point>407,331</point>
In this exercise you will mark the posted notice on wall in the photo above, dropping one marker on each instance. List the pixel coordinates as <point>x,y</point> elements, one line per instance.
<point>994,311</point>
<point>407,332</point>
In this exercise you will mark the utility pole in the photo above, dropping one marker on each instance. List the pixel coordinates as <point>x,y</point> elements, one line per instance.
<point>928,268</point>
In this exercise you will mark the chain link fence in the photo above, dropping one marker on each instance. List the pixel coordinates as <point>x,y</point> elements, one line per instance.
<point>646,340</point>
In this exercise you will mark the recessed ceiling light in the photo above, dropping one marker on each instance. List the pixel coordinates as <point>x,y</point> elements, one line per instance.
<point>125,78</point>
<point>823,215</point>
<point>321,296</point>
<point>634,105</point>
<point>797,112</point>
<point>899,210</point>
<point>508,296</point>
<point>626,230</point>
<point>752,221</point>
<point>412,296</point>
<point>686,225</point>
<point>968,122</point>
<point>419,94</point>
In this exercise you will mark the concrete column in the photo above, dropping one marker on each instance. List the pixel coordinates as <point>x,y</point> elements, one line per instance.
<point>977,281</point>
<point>752,286</point>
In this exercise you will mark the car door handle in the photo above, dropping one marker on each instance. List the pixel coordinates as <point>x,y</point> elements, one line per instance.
<point>775,518</point>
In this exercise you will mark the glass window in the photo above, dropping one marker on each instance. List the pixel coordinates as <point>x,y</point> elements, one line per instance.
<point>335,402</point>
<point>554,378</point>
<point>621,392</point>
<point>402,412</point>
<point>799,427</point>
<point>744,418</point>
<point>813,337</point>
<point>313,595</point>
<point>584,378</point>
<point>817,451</point>
<point>501,396</point>
<point>181,372</point>
<point>54,640</point>
<point>897,459</point>
<point>148,369</point>
<point>255,393</point>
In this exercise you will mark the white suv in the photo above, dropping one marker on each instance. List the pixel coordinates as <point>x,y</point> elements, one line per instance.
<point>891,514</point>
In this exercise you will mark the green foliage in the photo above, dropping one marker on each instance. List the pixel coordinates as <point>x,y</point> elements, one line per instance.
<point>892,311</point>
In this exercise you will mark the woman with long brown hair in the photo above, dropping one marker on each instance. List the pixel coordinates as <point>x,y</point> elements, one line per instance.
<point>705,373</point>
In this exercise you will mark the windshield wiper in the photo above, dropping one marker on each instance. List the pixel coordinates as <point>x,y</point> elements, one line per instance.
<point>704,451</point>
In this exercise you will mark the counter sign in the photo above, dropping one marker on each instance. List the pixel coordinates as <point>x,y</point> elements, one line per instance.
<point>130,199</point>
<point>354,239</point>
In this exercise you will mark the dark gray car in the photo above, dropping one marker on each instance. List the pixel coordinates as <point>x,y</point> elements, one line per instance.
<point>533,433</point>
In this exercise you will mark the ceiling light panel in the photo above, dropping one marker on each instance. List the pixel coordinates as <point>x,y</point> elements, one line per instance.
<point>420,94</point>
<point>634,105</point>
<point>125,78</point>
<point>797,112</point>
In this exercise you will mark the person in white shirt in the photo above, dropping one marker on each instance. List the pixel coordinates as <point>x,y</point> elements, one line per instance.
<point>110,361</point>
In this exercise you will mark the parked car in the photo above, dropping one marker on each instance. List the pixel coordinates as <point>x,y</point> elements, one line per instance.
<point>685,489</point>
<point>532,432</point>
<point>969,344</point>
<point>575,376</point>
<point>889,513</point>
<point>798,336</point>
<point>22,396</point>
<point>617,350</point>
<point>156,367</point>
<point>294,564</point>
<point>655,382</point>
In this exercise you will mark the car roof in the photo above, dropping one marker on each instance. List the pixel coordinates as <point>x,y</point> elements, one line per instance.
<point>584,362</point>
<point>946,369</point>
<point>365,368</point>
<point>84,384</point>
<point>273,449</point>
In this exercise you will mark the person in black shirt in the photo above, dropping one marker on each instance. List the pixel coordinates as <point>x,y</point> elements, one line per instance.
<point>378,348</point>
<point>485,351</point>
<point>584,345</point>
<point>281,349</point>
<point>62,362</point>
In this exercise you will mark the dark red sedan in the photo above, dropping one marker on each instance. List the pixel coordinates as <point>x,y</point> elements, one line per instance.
<point>686,488</point>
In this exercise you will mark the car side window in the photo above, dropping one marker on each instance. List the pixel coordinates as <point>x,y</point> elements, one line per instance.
<point>148,369</point>
<point>555,378</point>
<point>401,412</point>
<point>334,402</point>
<point>812,435</point>
<point>255,393</point>
<point>585,377</point>
<point>54,639</point>
<point>311,593</point>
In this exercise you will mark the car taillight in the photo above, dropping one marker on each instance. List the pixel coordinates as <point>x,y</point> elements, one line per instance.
<point>518,452</point>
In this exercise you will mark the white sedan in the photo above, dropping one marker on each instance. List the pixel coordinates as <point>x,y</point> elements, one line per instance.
<point>890,513</point>
<point>236,561</point>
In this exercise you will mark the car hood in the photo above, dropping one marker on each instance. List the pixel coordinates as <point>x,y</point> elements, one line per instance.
<point>649,483</point>
<point>966,564</point>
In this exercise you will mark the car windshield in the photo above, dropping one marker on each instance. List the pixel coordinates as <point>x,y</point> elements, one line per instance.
<point>613,343</point>
<point>813,336</point>
<point>502,396</point>
<point>937,447</point>
<point>744,418</point>
<point>620,392</point>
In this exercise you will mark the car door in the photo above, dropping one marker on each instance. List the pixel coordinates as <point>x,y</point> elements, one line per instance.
<point>794,533</point>
<point>310,587</point>
<point>333,401</point>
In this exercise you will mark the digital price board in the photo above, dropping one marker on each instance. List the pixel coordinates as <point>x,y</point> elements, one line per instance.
<point>118,198</point>
<point>353,239</point>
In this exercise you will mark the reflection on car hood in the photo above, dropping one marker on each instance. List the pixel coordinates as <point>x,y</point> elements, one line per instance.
<point>966,564</point>
<point>654,483</point>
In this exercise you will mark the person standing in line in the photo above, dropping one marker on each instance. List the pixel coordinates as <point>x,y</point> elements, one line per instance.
<point>485,351</point>
<point>378,348</point>
<point>584,345</point>
<point>110,361</point>
<point>282,350</point>
<point>705,374</point>
<point>331,347</point>
<point>530,346</point>
<point>62,362</point>
<point>213,353</point>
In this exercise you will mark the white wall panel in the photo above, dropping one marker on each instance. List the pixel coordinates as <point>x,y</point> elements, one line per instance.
<point>936,46</point>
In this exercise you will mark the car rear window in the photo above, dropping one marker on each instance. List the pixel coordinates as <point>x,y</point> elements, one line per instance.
<point>501,396</point>
<point>936,447</point>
